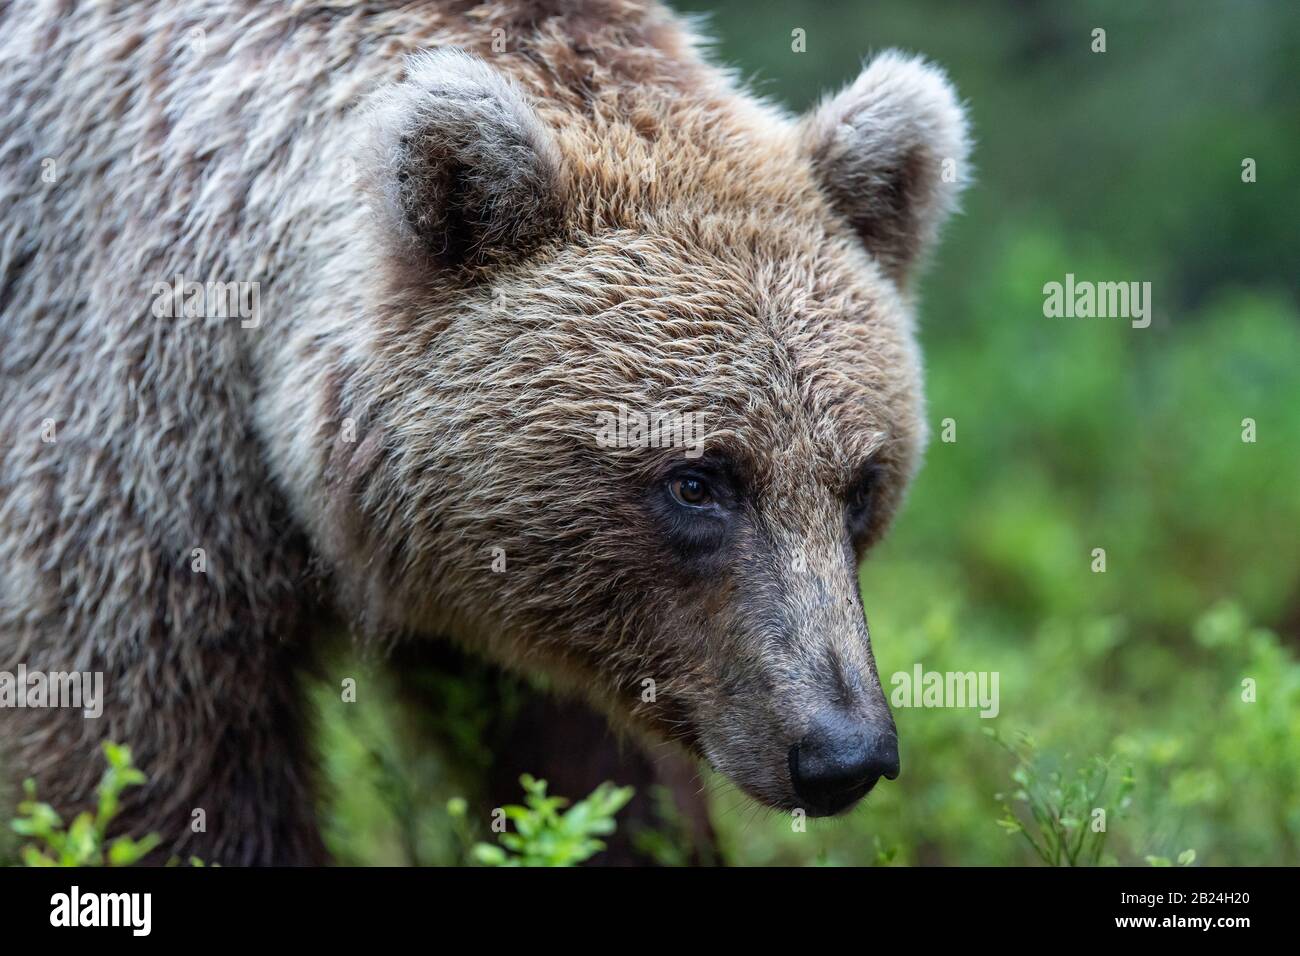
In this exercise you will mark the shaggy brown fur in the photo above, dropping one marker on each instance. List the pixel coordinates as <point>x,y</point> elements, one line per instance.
<point>464,255</point>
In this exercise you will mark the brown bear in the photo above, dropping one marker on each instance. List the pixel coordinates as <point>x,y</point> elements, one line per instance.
<point>518,325</point>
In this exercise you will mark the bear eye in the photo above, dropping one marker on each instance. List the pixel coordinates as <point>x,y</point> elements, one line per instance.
<point>691,491</point>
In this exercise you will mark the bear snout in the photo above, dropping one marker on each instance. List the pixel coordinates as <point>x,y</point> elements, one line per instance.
<point>840,759</point>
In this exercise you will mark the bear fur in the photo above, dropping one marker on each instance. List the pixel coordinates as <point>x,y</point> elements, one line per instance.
<point>474,228</point>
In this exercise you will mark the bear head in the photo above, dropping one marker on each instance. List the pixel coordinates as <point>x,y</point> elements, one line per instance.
<point>640,389</point>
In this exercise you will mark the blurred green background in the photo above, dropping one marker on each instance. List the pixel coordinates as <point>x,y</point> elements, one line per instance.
<point>1072,434</point>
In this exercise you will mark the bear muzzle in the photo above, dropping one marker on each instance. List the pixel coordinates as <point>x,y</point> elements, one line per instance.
<point>840,759</point>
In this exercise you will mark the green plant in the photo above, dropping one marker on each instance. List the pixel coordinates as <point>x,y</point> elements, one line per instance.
<point>85,842</point>
<point>1067,810</point>
<point>545,836</point>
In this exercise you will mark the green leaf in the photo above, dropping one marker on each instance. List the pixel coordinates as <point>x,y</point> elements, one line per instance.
<point>488,855</point>
<point>34,857</point>
<point>124,851</point>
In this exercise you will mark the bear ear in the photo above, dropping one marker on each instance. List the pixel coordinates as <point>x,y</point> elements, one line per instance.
<point>468,174</point>
<point>890,151</point>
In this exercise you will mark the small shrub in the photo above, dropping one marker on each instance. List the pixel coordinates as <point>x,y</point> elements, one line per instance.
<point>85,842</point>
<point>545,836</point>
<point>1062,805</point>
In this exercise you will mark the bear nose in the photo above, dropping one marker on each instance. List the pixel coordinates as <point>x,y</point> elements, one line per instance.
<point>840,759</point>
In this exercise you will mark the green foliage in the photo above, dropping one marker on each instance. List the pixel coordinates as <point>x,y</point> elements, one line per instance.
<point>85,842</point>
<point>1068,812</point>
<point>547,835</point>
